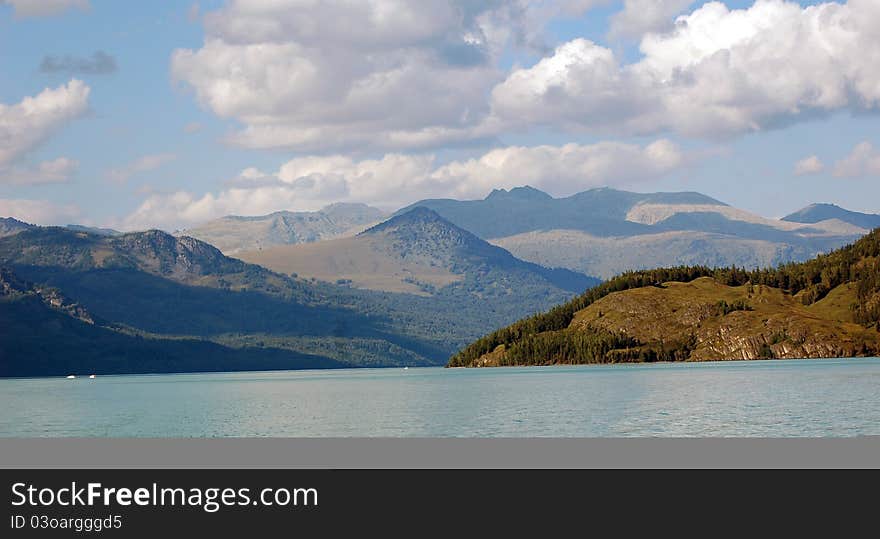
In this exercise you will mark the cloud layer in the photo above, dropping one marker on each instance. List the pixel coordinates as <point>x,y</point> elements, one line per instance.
<point>309,183</point>
<point>55,171</point>
<point>809,165</point>
<point>39,212</point>
<point>863,161</point>
<point>44,8</point>
<point>395,75</point>
<point>336,75</point>
<point>720,72</point>
<point>640,17</point>
<point>25,125</point>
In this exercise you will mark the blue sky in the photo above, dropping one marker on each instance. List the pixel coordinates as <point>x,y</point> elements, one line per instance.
<point>165,129</point>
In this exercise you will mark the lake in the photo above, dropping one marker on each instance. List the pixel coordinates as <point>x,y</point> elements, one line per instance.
<point>756,398</point>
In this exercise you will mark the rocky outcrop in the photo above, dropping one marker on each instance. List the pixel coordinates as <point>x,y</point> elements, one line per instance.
<point>704,320</point>
<point>11,286</point>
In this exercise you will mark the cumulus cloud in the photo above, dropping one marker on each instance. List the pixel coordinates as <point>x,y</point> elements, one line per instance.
<point>386,74</point>
<point>44,8</point>
<point>809,165</point>
<point>395,74</point>
<point>99,63</point>
<point>138,166</point>
<point>561,170</point>
<point>39,212</point>
<point>27,124</point>
<point>308,183</point>
<point>54,171</point>
<point>863,161</point>
<point>719,72</point>
<point>640,17</point>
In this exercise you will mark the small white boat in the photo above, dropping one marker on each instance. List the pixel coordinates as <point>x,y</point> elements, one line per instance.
<point>71,377</point>
<point>406,368</point>
<point>91,376</point>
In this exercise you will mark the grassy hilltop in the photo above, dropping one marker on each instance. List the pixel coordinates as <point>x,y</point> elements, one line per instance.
<point>826,307</point>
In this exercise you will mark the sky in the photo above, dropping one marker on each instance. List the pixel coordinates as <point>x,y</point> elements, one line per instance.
<point>166,114</point>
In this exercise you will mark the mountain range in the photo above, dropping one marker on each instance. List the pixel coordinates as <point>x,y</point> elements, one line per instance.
<point>233,234</point>
<point>417,252</point>
<point>159,303</point>
<point>600,232</point>
<point>604,232</point>
<point>10,225</point>
<point>352,286</point>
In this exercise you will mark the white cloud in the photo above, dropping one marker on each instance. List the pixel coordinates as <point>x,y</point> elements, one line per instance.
<point>27,124</point>
<point>138,166</point>
<point>54,171</point>
<point>395,74</point>
<point>386,74</point>
<point>39,212</point>
<point>561,170</point>
<point>309,183</point>
<point>719,72</point>
<point>864,160</point>
<point>640,17</point>
<point>809,165</point>
<point>44,8</point>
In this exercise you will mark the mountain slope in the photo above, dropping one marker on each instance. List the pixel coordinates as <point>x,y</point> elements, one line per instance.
<point>816,213</point>
<point>232,234</point>
<point>604,232</point>
<point>10,225</point>
<point>43,333</point>
<point>416,252</point>
<point>825,307</point>
<point>152,284</point>
<point>95,230</point>
<point>152,295</point>
<point>458,285</point>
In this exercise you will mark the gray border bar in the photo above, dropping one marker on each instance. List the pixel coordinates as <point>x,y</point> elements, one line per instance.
<point>443,453</point>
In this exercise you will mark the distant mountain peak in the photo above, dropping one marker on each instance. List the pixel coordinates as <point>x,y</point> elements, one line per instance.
<point>526,192</point>
<point>11,225</point>
<point>419,215</point>
<point>818,212</point>
<point>233,234</point>
<point>419,251</point>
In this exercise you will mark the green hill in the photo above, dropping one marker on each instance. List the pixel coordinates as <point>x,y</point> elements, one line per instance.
<point>826,307</point>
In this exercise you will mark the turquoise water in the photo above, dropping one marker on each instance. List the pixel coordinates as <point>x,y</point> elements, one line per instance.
<point>758,398</point>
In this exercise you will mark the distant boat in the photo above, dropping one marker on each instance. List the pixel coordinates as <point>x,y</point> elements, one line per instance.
<point>92,376</point>
<point>406,368</point>
<point>71,377</point>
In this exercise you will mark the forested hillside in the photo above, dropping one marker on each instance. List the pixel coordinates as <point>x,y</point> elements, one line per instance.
<point>850,274</point>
